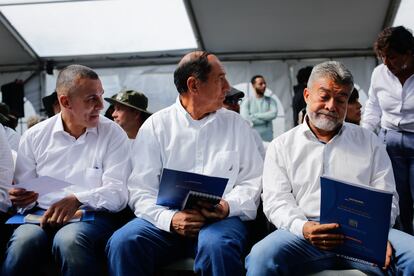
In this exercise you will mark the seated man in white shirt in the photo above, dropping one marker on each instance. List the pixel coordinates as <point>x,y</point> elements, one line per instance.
<point>195,135</point>
<point>322,145</point>
<point>6,177</point>
<point>85,149</point>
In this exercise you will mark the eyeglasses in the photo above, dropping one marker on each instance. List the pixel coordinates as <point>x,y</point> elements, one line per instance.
<point>232,100</point>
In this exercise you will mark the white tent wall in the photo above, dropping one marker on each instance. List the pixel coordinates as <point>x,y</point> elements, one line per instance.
<point>157,81</point>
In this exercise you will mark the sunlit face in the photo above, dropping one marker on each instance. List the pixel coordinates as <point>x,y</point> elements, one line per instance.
<point>397,63</point>
<point>353,113</point>
<point>213,91</point>
<point>259,86</point>
<point>86,103</point>
<point>125,116</point>
<point>326,103</point>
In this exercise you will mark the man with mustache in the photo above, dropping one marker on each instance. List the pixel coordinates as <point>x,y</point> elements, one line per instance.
<point>295,161</point>
<point>85,149</point>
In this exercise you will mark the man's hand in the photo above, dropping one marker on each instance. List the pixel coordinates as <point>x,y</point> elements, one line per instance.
<point>388,255</point>
<point>219,211</point>
<point>22,198</point>
<point>61,212</point>
<point>321,236</point>
<point>187,222</point>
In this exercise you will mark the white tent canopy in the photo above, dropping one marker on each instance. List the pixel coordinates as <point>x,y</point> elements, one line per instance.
<point>136,44</point>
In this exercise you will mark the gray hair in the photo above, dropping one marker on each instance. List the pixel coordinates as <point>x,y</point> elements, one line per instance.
<point>333,70</point>
<point>67,78</point>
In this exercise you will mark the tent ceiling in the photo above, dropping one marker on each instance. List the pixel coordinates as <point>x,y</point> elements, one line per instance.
<point>244,30</point>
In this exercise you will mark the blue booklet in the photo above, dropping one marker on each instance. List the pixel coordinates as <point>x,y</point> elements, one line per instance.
<point>180,190</point>
<point>363,214</point>
<point>34,217</point>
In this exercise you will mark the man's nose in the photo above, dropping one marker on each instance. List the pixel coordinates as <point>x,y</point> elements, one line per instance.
<point>226,86</point>
<point>330,105</point>
<point>99,104</point>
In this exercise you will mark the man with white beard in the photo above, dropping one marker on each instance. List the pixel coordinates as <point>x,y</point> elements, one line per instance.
<point>324,145</point>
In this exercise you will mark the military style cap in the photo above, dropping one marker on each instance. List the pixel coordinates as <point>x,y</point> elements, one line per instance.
<point>131,98</point>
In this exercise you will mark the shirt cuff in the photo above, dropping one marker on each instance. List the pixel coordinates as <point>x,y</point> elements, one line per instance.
<point>164,220</point>
<point>234,208</point>
<point>297,227</point>
<point>84,198</point>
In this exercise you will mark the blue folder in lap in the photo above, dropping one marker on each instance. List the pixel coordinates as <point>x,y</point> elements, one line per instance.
<point>363,214</point>
<point>19,218</point>
<point>176,185</point>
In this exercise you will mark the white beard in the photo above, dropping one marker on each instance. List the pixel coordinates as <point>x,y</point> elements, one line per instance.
<point>322,122</point>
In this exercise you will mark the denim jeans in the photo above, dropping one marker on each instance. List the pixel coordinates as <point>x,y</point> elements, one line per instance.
<point>78,248</point>
<point>283,253</point>
<point>400,148</point>
<point>139,246</point>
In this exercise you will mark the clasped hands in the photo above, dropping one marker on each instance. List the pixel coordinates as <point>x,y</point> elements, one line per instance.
<point>322,237</point>
<point>189,222</point>
<point>59,213</point>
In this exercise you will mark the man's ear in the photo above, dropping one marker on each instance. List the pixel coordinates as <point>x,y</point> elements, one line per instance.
<point>192,84</point>
<point>64,101</point>
<point>306,94</point>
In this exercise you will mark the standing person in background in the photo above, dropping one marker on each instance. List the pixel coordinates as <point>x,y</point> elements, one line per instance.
<point>232,102</point>
<point>390,106</point>
<point>261,110</point>
<point>353,112</point>
<point>298,102</point>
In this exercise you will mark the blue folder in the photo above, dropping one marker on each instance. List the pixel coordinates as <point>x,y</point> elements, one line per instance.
<point>363,214</point>
<point>175,185</point>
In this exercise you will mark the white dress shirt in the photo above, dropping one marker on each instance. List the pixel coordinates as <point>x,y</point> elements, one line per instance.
<point>221,144</point>
<point>97,163</point>
<point>296,160</point>
<point>6,171</point>
<point>13,138</point>
<point>390,104</point>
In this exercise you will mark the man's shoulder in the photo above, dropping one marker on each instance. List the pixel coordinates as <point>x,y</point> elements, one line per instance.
<point>359,133</point>
<point>42,126</point>
<point>231,117</point>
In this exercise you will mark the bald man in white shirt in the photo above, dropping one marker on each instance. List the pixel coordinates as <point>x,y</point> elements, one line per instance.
<point>322,146</point>
<point>83,148</point>
<point>195,135</point>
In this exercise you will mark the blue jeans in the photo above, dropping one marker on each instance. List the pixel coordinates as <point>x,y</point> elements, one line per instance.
<point>78,248</point>
<point>400,148</point>
<point>139,246</point>
<point>283,253</point>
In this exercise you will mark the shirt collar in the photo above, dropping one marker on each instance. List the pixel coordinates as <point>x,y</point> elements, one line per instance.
<point>58,127</point>
<point>308,133</point>
<point>189,120</point>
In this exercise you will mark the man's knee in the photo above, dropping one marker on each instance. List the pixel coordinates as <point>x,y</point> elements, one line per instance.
<point>29,238</point>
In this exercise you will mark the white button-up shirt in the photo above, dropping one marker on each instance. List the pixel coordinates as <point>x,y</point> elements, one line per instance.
<point>97,163</point>
<point>13,138</point>
<point>389,104</point>
<point>221,144</point>
<point>296,160</point>
<point>6,171</point>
